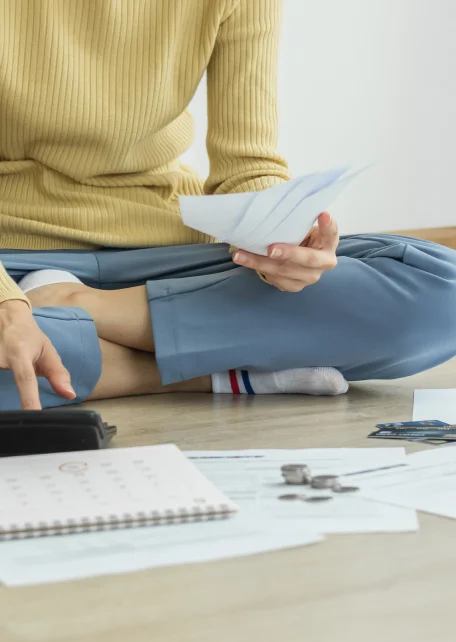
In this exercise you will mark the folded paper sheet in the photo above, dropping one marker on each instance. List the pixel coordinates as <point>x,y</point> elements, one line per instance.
<point>281,214</point>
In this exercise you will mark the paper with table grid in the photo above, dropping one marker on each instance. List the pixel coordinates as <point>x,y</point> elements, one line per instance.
<point>97,490</point>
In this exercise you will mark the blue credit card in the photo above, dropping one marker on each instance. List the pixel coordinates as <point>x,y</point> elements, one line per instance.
<point>416,433</point>
<point>431,423</point>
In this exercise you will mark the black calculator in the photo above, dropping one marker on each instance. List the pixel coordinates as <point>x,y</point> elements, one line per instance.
<point>36,432</point>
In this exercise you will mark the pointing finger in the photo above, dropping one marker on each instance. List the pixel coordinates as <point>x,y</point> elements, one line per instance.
<point>26,382</point>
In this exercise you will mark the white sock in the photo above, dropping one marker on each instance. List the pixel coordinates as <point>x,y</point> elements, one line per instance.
<point>39,278</point>
<point>303,381</point>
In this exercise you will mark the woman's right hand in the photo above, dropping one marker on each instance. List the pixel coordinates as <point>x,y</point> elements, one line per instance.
<point>28,353</point>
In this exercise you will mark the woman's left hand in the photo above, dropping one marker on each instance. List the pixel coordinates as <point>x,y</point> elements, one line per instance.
<point>291,268</point>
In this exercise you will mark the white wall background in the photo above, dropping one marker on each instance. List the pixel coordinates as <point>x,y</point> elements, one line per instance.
<point>369,81</point>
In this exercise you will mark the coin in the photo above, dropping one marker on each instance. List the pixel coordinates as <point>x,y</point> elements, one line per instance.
<point>346,489</point>
<point>288,467</point>
<point>297,474</point>
<point>325,481</point>
<point>318,498</point>
<point>296,479</point>
<point>291,497</point>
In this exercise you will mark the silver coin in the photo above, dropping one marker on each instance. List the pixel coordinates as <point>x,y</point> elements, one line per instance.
<point>346,489</point>
<point>293,477</point>
<point>318,499</point>
<point>287,467</point>
<point>292,497</point>
<point>329,485</point>
<point>296,474</point>
<point>297,480</point>
<point>325,481</point>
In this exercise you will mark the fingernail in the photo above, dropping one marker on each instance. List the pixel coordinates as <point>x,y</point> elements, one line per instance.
<point>240,258</point>
<point>276,253</point>
<point>69,388</point>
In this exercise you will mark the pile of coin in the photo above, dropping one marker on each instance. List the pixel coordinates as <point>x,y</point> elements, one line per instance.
<point>300,475</point>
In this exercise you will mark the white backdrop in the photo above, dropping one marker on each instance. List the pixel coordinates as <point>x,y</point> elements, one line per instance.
<point>369,81</point>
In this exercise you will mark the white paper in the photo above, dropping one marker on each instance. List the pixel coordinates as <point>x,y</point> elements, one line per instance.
<point>427,484</point>
<point>253,480</point>
<point>273,206</point>
<point>59,559</point>
<point>215,215</point>
<point>252,221</point>
<point>435,404</point>
<point>265,205</point>
<point>290,230</point>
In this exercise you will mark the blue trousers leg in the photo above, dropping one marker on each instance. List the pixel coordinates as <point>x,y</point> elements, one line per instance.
<point>74,336</point>
<point>388,310</point>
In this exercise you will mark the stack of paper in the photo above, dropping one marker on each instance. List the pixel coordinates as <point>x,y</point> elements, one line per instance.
<point>251,478</point>
<point>60,559</point>
<point>281,214</point>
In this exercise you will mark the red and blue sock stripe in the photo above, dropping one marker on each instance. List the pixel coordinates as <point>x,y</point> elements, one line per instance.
<point>240,382</point>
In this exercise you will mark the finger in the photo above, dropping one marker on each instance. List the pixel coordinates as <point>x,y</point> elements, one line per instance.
<point>253,261</point>
<point>286,285</point>
<point>329,231</point>
<point>305,257</point>
<point>287,258</point>
<point>292,271</point>
<point>50,366</point>
<point>26,382</point>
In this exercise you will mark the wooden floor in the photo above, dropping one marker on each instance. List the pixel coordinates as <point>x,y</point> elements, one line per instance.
<point>442,235</point>
<point>351,588</point>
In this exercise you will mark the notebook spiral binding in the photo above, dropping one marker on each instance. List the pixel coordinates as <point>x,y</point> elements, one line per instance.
<point>114,522</point>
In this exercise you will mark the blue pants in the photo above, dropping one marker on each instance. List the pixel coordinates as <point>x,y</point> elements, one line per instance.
<point>388,310</point>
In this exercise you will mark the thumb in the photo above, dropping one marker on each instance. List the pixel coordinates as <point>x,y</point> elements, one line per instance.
<point>50,366</point>
<point>329,232</point>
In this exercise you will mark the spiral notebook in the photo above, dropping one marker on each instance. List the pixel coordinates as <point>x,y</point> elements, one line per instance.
<point>104,489</point>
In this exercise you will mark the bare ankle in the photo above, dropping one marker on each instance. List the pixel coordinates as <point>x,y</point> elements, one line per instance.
<point>78,296</point>
<point>201,384</point>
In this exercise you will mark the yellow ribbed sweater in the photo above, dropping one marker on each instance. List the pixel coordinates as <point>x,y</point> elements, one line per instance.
<point>93,120</point>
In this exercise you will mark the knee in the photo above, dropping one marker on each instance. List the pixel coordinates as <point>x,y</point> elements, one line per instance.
<point>432,260</point>
<point>425,335</point>
<point>430,288</point>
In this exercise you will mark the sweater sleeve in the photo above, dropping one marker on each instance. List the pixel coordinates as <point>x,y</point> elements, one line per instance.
<point>9,290</point>
<point>242,101</point>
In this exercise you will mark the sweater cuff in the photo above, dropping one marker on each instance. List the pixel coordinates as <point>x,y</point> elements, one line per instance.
<point>9,290</point>
<point>259,184</point>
